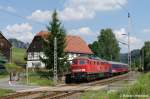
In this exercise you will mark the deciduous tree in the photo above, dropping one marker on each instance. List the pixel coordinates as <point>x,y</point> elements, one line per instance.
<point>146,53</point>
<point>106,46</point>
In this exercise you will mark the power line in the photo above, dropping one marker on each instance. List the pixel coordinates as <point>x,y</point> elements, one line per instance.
<point>127,11</point>
<point>123,7</point>
<point>20,16</point>
<point>128,35</point>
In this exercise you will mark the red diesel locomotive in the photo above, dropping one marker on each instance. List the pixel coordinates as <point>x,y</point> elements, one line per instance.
<point>88,68</point>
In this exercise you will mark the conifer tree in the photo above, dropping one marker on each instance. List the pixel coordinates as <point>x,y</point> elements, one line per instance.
<point>55,29</point>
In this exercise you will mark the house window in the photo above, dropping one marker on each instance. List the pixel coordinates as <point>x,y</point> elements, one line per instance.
<point>36,55</point>
<point>75,55</point>
<point>1,44</point>
<point>29,56</point>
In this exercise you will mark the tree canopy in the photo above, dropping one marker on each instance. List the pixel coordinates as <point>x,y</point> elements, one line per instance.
<point>106,46</point>
<point>146,53</point>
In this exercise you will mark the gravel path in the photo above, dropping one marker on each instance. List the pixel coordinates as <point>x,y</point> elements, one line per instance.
<point>4,83</point>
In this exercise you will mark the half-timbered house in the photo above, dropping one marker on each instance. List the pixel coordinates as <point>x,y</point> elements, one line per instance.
<point>75,46</point>
<point>5,47</point>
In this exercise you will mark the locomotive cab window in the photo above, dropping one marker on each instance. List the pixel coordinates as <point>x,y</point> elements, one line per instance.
<point>75,62</point>
<point>82,62</point>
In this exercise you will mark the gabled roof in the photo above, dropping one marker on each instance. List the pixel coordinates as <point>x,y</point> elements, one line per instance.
<point>43,34</point>
<point>74,44</point>
<point>5,39</point>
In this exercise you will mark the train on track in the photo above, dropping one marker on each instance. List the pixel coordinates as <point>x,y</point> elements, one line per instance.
<point>92,68</point>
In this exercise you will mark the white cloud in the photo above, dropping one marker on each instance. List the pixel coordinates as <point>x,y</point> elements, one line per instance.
<point>85,32</point>
<point>11,9</point>
<point>19,31</point>
<point>8,8</point>
<point>75,14</point>
<point>79,9</point>
<point>146,30</point>
<point>40,15</point>
<point>134,41</point>
<point>83,9</point>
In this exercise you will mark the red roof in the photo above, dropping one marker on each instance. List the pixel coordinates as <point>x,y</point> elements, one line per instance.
<point>43,34</point>
<point>74,44</point>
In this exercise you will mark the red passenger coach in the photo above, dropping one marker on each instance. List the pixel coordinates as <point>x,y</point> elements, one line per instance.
<point>117,68</point>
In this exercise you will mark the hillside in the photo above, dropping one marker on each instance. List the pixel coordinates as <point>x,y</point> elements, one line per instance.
<point>135,58</point>
<point>18,55</point>
<point>18,44</point>
<point>134,53</point>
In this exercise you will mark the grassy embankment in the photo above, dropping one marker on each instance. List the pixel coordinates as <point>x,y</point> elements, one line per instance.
<point>35,78</point>
<point>140,90</point>
<point>18,55</point>
<point>4,92</point>
<point>3,76</point>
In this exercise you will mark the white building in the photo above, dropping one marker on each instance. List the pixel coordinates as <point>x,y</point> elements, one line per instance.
<point>75,46</point>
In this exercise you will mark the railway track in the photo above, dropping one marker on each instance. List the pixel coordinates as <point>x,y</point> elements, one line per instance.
<point>62,94</point>
<point>20,94</point>
<point>97,82</point>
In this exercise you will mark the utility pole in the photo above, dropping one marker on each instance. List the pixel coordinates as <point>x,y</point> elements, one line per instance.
<point>129,29</point>
<point>140,61</point>
<point>129,50</point>
<point>55,61</point>
<point>143,58</point>
<point>27,74</point>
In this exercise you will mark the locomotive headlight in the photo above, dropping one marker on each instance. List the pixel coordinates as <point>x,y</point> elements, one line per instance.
<point>113,70</point>
<point>83,70</point>
<point>78,70</point>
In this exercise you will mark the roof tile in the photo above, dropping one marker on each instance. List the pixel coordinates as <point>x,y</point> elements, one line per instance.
<point>74,44</point>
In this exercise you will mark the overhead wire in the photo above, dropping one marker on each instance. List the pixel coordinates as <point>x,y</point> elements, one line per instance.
<point>19,16</point>
<point>129,15</point>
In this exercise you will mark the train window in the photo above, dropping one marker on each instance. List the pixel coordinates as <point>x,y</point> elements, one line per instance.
<point>75,62</point>
<point>116,66</point>
<point>88,62</point>
<point>82,62</point>
<point>102,63</point>
<point>97,63</point>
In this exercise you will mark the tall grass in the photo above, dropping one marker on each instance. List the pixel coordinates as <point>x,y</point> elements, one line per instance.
<point>35,78</point>
<point>5,91</point>
<point>139,90</point>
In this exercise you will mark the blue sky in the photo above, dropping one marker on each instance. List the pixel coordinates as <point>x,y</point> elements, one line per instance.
<point>22,19</point>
